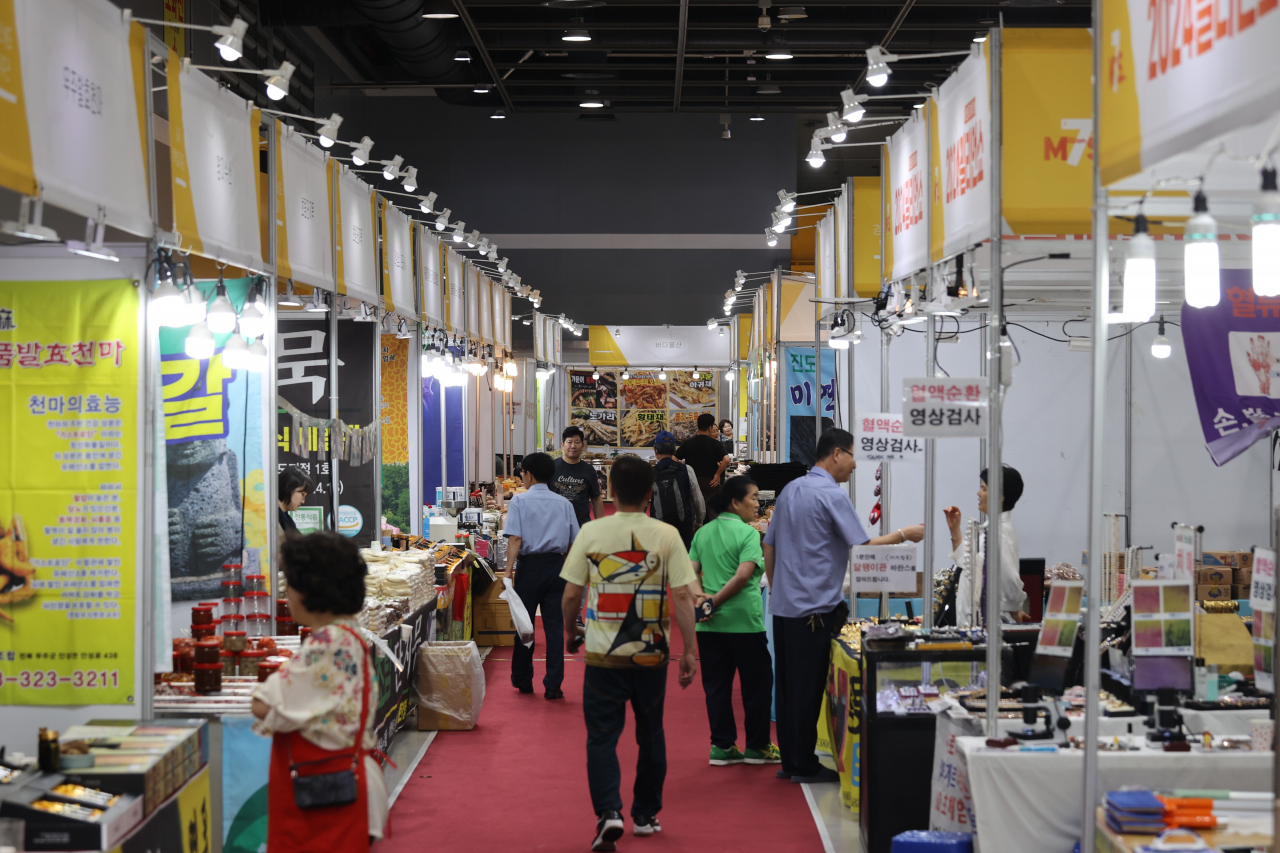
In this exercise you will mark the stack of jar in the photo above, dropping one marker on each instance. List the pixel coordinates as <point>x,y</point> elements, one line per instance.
<point>257,606</point>
<point>208,661</point>
<point>285,624</point>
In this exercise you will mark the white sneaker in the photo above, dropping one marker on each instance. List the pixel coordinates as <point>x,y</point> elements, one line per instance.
<point>643,825</point>
<point>609,828</point>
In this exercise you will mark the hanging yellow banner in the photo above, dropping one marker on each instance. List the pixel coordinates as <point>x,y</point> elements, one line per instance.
<point>69,468</point>
<point>866,236</point>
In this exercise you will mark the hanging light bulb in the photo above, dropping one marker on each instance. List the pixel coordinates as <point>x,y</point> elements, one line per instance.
<point>878,70</point>
<point>328,132</point>
<point>695,375</point>
<point>835,131</point>
<point>722,331</point>
<point>1266,238</point>
<point>728,375</point>
<point>852,110</point>
<point>510,369</point>
<point>257,356</point>
<point>1160,347</point>
<point>168,304</point>
<point>662,375</point>
<point>195,309</point>
<point>253,317</point>
<point>1201,284</point>
<point>222,314</point>
<point>442,221</point>
<point>199,342</point>
<point>278,81</point>
<point>411,181</point>
<point>770,238</point>
<point>231,44</point>
<point>1140,275</point>
<point>839,343</point>
<point>787,201</point>
<point>391,168</point>
<point>363,151</point>
<point>816,157</point>
<point>626,374</point>
<point>235,353</point>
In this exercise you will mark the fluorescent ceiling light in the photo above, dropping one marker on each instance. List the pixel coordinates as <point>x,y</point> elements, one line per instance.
<point>1201,281</point>
<point>1266,237</point>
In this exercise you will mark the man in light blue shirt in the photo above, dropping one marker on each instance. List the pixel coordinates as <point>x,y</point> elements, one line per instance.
<point>541,526</point>
<point>806,557</point>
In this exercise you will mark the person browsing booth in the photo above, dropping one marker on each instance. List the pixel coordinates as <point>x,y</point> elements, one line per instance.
<point>541,526</point>
<point>625,563</point>
<point>706,455</point>
<point>806,554</point>
<point>677,500</point>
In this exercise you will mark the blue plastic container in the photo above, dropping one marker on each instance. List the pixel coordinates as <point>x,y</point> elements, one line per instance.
<point>926,841</point>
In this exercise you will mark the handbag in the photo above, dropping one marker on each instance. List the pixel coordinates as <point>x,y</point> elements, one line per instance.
<point>340,787</point>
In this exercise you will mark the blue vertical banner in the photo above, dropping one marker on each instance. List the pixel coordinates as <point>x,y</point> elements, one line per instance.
<point>800,390</point>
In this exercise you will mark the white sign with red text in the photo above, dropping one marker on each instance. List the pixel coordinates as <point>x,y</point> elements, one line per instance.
<point>908,183</point>
<point>945,407</point>
<point>884,568</point>
<point>964,124</point>
<point>877,437</point>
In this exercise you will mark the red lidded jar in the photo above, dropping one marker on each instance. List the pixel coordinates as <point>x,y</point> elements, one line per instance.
<point>230,662</point>
<point>235,641</point>
<point>268,668</point>
<point>207,651</point>
<point>202,614</point>
<point>256,602</point>
<point>203,632</point>
<point>258,624</point>
<point>249,661</point>
<point>209,678</point>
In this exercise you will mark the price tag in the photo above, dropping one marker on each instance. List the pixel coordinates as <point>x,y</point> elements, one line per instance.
<point>935,407</point>
<point>878,438</point>
<point>885,568</point>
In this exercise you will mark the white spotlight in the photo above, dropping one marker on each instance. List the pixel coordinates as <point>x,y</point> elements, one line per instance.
<point>815,158</point>
<point>361,155</point>
<point>852,109</point>
<point>391,168</point>
<point>411,180</point>
<point>1201,284</point>
<point>835,131</point>
<point>329,131</point>
<point>253,318</point>
<point>770,238</point>
<point>278,81</point>
<point>231,44</point>
<point>787,201</point>
<point>1140,275</point>
<point>878,70</point>
<point>222,314</point>
<point>235,353</point>
<point>168,304</point>
<point>442,221</point>
<point>1266,238</point>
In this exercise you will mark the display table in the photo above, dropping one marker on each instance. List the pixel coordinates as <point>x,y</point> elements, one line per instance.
<point>1107,840</point>
<point>1033,800</point>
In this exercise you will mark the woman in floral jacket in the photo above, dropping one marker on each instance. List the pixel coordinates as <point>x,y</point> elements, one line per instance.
<point>320,700</point>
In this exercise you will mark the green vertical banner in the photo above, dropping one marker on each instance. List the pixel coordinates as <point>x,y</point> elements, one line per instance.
<point>70,416</point>
<point>214,461</point>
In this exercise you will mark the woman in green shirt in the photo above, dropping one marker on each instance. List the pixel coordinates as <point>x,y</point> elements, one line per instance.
<point>727,556</point>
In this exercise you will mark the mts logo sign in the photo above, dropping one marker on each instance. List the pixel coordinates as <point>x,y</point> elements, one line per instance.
<point>1071,149</point>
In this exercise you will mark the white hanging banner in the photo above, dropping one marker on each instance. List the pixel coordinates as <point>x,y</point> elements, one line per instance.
<point>964,126</point>
<point>907,182</point>
<point>484,305</point>
<point>1179,74</point>
<point>844,252</point>
<point>213,154</point>
<point>658,346</point>
<point>501,315</point>
<point>84,109</point>
<point>357,241</point>
<point>455,294</point>
<point>397,251</point>
<point>304,250</point>
<point>472,295</point>
<point>826,266</point>
<point>505,325</point>
<point>432,299</point>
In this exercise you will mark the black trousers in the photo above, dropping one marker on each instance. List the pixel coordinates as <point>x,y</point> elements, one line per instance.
<point>605,694</point>
<point>538,583</point>
<point>721,655</point>
<point>802,648</point>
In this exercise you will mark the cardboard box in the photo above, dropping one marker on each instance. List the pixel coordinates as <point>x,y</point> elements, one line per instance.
<point>1213,576</point>
<point>495,638</point>
<point>1240,593</point>
<point>493,617</point>
<point>1242,577</point>
<point>1234,559</point>
<point>1213,592</point>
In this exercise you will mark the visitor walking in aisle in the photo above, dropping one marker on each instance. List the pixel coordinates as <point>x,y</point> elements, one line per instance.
<point>1013,598</point>
<point>706,455</point>
<point>677,500</point>
<point>727,556</point>
<point>806,554</point>
<point>541,526</point>
<point>575,479</point>
<point>320,708</point>
<point>628,560</point>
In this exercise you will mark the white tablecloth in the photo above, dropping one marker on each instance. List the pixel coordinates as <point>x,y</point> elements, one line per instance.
<point>1033,801</point>
<point>1222,723</point>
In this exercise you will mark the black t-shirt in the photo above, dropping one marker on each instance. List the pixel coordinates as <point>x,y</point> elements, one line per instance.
<point>579,483</point>
<point>703,453</point>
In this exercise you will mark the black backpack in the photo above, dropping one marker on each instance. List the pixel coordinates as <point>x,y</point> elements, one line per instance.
<point>668,500</point>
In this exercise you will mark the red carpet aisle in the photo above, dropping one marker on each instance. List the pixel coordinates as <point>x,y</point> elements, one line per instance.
<point>518,782</point>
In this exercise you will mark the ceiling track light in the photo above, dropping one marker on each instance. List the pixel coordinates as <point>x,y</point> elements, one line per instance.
<point>1200,264</point>
<point>852,109</point>
<point>230,43</point>
<point>878,70</point>
<point>1266,237</point>
<point>770,237</point>
<point>439,10</point>
<point>391,168</point>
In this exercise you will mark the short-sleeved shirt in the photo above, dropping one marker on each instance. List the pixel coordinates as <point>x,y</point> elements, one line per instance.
<point>579,483</point>
<point>544,521</point>
<point>627,560</point>
<point>703,453</point>
<point>719,547</point>
<point>813,527</point>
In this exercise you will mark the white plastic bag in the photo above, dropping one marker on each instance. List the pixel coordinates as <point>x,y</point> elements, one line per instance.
<point>450,686</point>
<point>520,616</point>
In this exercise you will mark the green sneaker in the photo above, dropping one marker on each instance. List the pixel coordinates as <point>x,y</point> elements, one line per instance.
<point>722,757</point>
<point>768,755</point>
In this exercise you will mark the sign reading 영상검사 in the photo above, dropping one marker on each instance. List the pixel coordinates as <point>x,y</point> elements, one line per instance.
<point>934,407</point>
<point>877,437</point>
<point>884,568</point>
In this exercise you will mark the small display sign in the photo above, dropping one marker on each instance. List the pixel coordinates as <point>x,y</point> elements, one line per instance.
<point>934,407</point>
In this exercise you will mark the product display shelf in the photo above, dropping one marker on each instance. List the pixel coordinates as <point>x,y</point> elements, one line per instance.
<point>1107,840</point>
<point>897,748</point>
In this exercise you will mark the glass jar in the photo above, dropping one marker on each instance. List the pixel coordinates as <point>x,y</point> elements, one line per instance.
<point>208,678</point>
<point>232,589</point>
<point>304,632</point>
<point>255,583</point>
<point>249,661</point>
<point>268,668</point>
<point>235,641</point>
<point>230,664</point>
<point>232,606</point>
<point>207,651</point>
<point>258,625</point>
<point>201,614</point>
<point>203,632</point>
<point>256,603</point>
<point>228,624</point>
<point>286,627</point>
<point>282,608</point>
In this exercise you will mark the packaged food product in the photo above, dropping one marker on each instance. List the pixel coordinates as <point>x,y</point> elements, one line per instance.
<point>208,678</point>
<point>201,615</point>
<point>207,651</point>
<point>70,810</point>
<point>235,641</point>
<point>88,795</point>
<point>250,659</point>
<point>230,663</point>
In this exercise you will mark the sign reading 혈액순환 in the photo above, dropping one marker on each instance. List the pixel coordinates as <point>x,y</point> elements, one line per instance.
<point>942,407</point>
<point>878,437</point>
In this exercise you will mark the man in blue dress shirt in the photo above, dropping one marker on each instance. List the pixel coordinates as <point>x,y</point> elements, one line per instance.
<point>541,526</point>
<point>806,556</point>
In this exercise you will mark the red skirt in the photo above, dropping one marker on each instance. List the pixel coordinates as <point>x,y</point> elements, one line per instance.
<point>294,830</point>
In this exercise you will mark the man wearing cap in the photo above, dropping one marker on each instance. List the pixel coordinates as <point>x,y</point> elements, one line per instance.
<point>676,499</point>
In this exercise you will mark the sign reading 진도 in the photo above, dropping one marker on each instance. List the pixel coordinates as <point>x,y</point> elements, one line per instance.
<point>884,568</point>
<point>942,407</point>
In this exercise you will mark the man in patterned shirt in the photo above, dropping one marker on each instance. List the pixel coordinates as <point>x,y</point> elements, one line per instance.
<point>627,560</point>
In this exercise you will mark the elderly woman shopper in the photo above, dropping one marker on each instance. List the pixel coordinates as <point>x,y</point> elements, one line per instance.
<point>319,709</point>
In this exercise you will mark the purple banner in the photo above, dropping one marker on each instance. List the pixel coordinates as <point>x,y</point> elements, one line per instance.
<point>1233,351</point>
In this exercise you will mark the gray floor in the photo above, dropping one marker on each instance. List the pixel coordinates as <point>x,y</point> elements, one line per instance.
<point>837,825</point>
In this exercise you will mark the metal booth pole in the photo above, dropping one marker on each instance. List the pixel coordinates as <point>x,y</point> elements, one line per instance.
<point>995,469</point>
<point>930,361</point>
<point>885,338</point>
<point>1093,578</point>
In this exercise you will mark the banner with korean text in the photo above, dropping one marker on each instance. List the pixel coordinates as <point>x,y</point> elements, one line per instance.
<point>963,126</point>
<point>1233,351</point>
<point>1180,73</point>
<point>397,259</point>
<point>214,452</point>
<point>906,201</point>
<point>432,298</point>
<point>357,241</point>
<point>70,474</point>
<point>304,245</point>
<point>801,389</point>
